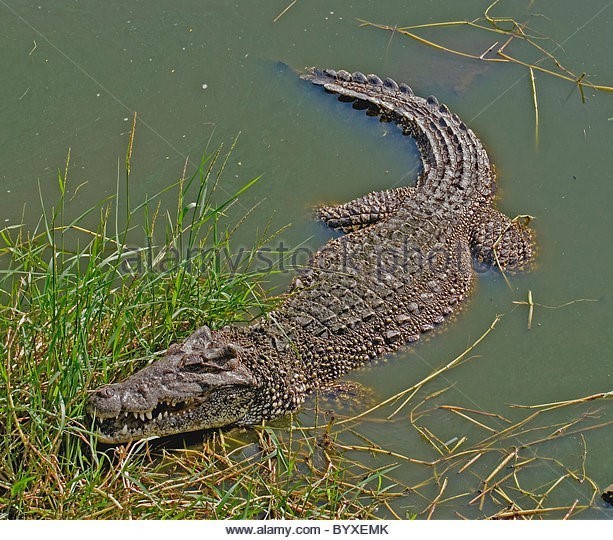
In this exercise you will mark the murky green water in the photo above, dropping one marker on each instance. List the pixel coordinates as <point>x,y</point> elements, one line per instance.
<point>199,72</point>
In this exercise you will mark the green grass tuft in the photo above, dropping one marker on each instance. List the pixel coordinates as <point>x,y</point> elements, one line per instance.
<point>80,308</point>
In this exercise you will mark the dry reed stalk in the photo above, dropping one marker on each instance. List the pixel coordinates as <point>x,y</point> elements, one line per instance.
<point>536,106</point>
<point>384,452</point>
<point>516,33</point>
<point>430,509</point>
<point>571,510</point>
<point>284,11</point>
<point>557,404</point>
<point>534,511</point>
<point>472,420</point>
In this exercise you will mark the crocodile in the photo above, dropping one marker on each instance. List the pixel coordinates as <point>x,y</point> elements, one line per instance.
<point>404,265</point>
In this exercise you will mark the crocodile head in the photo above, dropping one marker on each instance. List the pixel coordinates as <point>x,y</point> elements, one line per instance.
<point>199,384</point>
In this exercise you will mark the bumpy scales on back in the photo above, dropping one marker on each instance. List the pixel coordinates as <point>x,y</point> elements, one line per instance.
<point>404,265</point>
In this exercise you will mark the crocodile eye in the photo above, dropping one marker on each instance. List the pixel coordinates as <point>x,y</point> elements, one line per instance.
<point>200,363</point>
<point>211,361</point>
<point>194,364</point>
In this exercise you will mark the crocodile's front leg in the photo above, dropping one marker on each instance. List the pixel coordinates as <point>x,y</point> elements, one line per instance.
<point>364,211</point>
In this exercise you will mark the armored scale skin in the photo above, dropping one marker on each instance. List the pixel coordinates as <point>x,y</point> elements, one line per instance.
<point>404,265</point>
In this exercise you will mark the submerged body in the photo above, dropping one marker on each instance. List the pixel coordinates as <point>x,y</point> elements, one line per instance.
<point>404,265</point>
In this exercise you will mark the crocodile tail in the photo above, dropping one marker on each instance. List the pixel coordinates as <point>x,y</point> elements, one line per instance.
<point>456,166</point>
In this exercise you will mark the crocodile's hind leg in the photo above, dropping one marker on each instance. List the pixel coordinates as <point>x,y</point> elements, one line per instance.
<point>497,240</point>
<point>343,398</point>
<point>364,211</point>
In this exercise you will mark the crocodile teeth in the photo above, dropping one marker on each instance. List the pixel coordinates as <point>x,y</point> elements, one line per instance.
<point>135,415</point>
<point>149,415</point>
<point>124,430</point>
<point>142,416</point>
<point>165,414</point>
<point>159,417</point>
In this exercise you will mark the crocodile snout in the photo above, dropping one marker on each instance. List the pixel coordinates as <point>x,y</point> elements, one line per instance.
<point>105,402</point>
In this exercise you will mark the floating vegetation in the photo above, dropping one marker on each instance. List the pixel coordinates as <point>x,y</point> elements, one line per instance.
<point>507,31</point>
<point>512,471</point>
